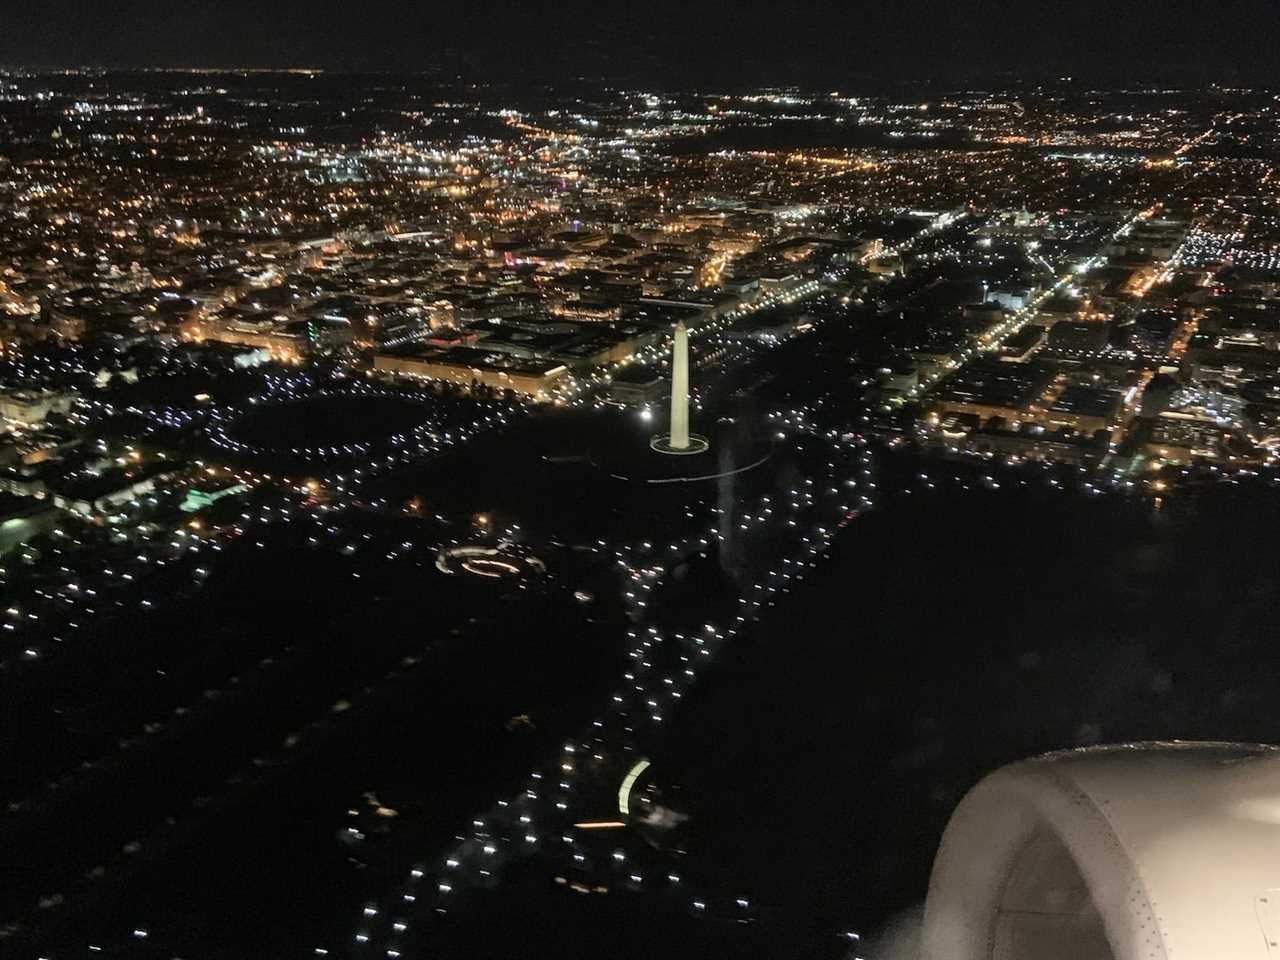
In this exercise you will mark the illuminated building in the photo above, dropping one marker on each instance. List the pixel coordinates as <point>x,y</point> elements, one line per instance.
<point>32,407</point>
<point>466,366</point>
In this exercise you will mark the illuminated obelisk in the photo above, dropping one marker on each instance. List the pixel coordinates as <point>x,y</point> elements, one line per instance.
<point>679,440</point>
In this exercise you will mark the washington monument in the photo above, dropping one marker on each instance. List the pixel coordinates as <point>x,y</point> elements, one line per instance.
<point>679,440</point>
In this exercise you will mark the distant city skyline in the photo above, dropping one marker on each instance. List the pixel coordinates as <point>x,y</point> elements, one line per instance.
<point>749,43</point>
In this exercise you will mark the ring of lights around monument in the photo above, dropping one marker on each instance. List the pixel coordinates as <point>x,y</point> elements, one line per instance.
<point>697,444</point>
<point>1149,851</point>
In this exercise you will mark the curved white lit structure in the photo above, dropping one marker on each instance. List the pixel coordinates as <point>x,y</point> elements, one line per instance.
<point>1149,851</point>
<point>504,560</point>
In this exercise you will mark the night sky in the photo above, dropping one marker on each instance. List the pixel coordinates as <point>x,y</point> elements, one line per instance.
<point>721,43</point>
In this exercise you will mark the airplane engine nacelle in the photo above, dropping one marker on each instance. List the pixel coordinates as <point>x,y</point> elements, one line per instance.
<point>1147,851</point>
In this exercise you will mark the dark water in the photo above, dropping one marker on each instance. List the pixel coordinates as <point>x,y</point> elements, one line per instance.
<point>949,633</point>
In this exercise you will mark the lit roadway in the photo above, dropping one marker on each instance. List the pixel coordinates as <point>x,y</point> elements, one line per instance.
<point>539,820</point>
<point>998,334</point>
<point>560,808</point>
<point>557,815</point>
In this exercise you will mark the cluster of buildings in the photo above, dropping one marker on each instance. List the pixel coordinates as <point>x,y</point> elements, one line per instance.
<point>214,233</point>
<point>512,265</point>
<point>1038,268</point>
<point>1149,351</point>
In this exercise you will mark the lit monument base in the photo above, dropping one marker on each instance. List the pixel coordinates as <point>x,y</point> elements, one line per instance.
<point>697,444</point>
<point>628,453</point>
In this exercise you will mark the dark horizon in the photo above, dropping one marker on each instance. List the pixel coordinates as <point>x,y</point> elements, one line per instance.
<point>715,44</point>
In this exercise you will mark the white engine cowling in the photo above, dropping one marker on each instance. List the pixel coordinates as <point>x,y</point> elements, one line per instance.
<point>1146,851</point>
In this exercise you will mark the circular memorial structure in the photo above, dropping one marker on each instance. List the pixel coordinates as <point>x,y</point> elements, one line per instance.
<point>498,562</point>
